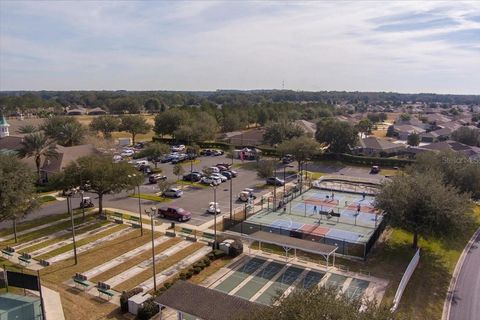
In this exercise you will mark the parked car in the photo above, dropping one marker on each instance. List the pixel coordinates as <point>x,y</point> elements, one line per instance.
<point>211,208</point>
<point>233,173</point>
<point>194,177</point>
<point>206,152</point>
<point>375,170</point>
<point>179,158</point>
<point>139,145</point>
<point>127,153</point>
<point>221,168</point>
<point>288,158</point>
<point>274,181</point>
<point>139,163</point>
<point>211,180</point>
<point>117,158</point>
<point>214,170</point>
<point>174,213</point>
<point>173,192</point>
<point>86,203</point>
<point>154,178</point>
<point>191,156</point>
<point>217,152</point>
<point>226,174</point>
<point>178,148</point>
<point>226,165</point>
<point>219,176</point>
<point>246,195</point>
<point>166,158</point>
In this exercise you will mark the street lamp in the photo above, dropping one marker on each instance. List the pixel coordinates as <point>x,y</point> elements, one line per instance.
<point>231,191</point>
<point>139,203</point>
<point>214,215</point>
<point>151,214</point>
<point>69,194</point>
<point>83,205</point>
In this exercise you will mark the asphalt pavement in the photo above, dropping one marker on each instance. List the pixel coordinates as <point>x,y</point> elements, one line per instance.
<point>465,303</point>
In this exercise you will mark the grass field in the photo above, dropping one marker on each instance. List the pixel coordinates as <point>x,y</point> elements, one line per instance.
<point>80,243</point>
<point>151,197</point>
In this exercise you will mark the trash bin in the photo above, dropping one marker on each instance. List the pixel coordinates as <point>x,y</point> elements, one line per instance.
<point>172,225</point>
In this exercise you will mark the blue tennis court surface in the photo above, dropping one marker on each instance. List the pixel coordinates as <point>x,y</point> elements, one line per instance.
<point>342,234</point>
<point>287,224</point>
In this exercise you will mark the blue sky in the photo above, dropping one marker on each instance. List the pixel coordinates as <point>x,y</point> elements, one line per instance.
<point>404,46</point>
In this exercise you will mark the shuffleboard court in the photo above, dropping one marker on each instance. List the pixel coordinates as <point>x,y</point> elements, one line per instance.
<point>357,288</point>
<point>335,281</point>
<point>259,280</point>
<point>285,280</point>
<point>311,279</point>
<point>239,275</point>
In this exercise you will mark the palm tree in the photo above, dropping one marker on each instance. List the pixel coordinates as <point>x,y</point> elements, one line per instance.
<point>37,145</point>
<point>27,129</point>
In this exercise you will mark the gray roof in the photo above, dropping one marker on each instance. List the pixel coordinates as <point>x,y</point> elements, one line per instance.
<point>290,242</point>
<point>205,303</point>
<point>379,144</point>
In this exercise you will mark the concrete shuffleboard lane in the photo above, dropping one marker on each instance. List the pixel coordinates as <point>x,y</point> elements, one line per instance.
<point>124,257</point>
<point>142,266</point>
<point>90,245</point>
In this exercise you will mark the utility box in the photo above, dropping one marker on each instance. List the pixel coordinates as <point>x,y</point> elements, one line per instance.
<point>137,301</point>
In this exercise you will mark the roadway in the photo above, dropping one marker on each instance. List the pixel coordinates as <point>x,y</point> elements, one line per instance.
<point>465,304</point>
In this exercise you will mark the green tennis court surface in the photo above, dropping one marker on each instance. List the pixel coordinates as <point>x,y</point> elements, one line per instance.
<point>276,277</point>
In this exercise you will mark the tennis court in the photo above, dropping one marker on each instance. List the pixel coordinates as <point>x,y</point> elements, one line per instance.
<point>268,278</point>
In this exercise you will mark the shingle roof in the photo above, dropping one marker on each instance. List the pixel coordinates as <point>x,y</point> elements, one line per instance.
<point>378,144</point>
<point>66,155</point>
<point>205,303</point>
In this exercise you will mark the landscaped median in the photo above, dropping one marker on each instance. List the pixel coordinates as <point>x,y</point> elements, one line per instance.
<point>151,197</point>
<point>162,265</point>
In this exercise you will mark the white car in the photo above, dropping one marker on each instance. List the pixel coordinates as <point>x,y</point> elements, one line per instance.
<point>178,148</point>
<point>173,192</point>
<point>127,153</point>
<point>211,208</point>
<point>117,158</point>
<point>219,176</point>
<point>210,180</point>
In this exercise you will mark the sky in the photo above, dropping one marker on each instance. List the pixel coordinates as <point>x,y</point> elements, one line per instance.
<point>404,46</point>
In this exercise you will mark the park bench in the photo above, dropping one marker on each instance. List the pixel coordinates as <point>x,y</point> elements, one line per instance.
<point>80,280</point>
<point>8,252</point>
<point>208,237</point>
<point>25,259</point>
<point>171,234</point>
<point>104,289</point>
<point>134,221</point>
<point>44,263</point>
<point>118,217</point>
<point>189,234</point>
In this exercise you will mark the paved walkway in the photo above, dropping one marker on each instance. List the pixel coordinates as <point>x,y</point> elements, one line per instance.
<point>146,264</point>
<point>167,273</point>
<point>122,258</point>
<point>90,245</point>
<point>53,304</point>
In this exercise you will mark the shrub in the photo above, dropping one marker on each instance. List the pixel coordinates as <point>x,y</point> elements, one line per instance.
<point>197,270</point>
<point>211,256</point>
<point>199,264</point>
<point>207,262</point>
<point>148,310</point>
<point>189,274</point>
<point>218,253</point>
<point>127,295</point>
<point>183,276</point>
<point>167,285</point>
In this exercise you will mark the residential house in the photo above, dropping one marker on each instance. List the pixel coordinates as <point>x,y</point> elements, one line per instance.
<point>469,151</point>
<point>76,111</point>
<point>375,147</point>
<point>97,112</point>
<point>404,130</point>
<point>308,127</point>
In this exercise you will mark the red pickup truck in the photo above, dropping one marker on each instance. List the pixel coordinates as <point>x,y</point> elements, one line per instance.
<point>174,213</point>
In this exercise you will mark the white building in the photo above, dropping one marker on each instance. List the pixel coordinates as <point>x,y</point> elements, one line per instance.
<point>4,127</point>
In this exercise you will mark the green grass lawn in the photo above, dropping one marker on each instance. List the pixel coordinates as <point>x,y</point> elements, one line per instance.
<point>66,236</point>
<point>44,231</point>
<point>151,197</point>
<point>82,242</point>
<point>45,199</point>
<point>192,184</point>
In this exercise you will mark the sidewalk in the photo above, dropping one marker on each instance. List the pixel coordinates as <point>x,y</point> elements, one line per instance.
<point>53,304</point>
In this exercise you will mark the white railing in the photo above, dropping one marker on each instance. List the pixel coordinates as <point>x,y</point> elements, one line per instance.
<point>406,277</point>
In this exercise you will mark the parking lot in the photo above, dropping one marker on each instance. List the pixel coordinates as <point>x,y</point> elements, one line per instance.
<point>194,200</point>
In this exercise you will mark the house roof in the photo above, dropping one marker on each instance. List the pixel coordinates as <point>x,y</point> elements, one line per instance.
<point>97,110</point>
<point>408,128</point>
<point>307,126</point>
<point>378,144</point>
<point>205,303</point>
<point>453,146</point>
<point>3,121</point>
<point>66,155</point>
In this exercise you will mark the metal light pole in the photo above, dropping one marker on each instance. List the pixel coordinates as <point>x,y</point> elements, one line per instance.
<point>284,179</point>
<point>151,214</point>
<point>231,192</point>
<point>83,205</point>
<point>214,216</point>
<point>275,188</point>
<point>139,204</point>
<point>69,208</point>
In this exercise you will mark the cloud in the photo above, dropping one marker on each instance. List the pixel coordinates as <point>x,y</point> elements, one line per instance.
<point>205,45</point>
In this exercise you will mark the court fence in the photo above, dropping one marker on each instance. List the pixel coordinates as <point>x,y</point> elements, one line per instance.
<point>345,247</point>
